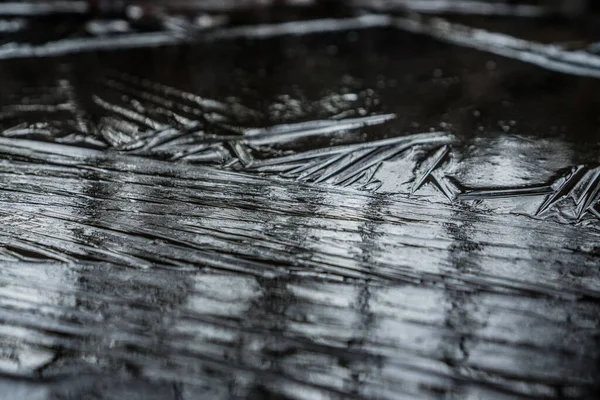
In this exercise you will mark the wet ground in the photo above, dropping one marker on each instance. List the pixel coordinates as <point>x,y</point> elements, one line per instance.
<point>371,206</point>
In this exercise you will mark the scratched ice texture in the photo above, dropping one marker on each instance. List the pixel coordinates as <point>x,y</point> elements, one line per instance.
<point>368,207</point>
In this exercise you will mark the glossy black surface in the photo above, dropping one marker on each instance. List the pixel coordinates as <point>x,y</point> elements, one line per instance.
<point>335,209</point>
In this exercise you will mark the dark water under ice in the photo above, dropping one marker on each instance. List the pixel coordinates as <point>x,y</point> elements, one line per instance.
<point>364,213</point>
